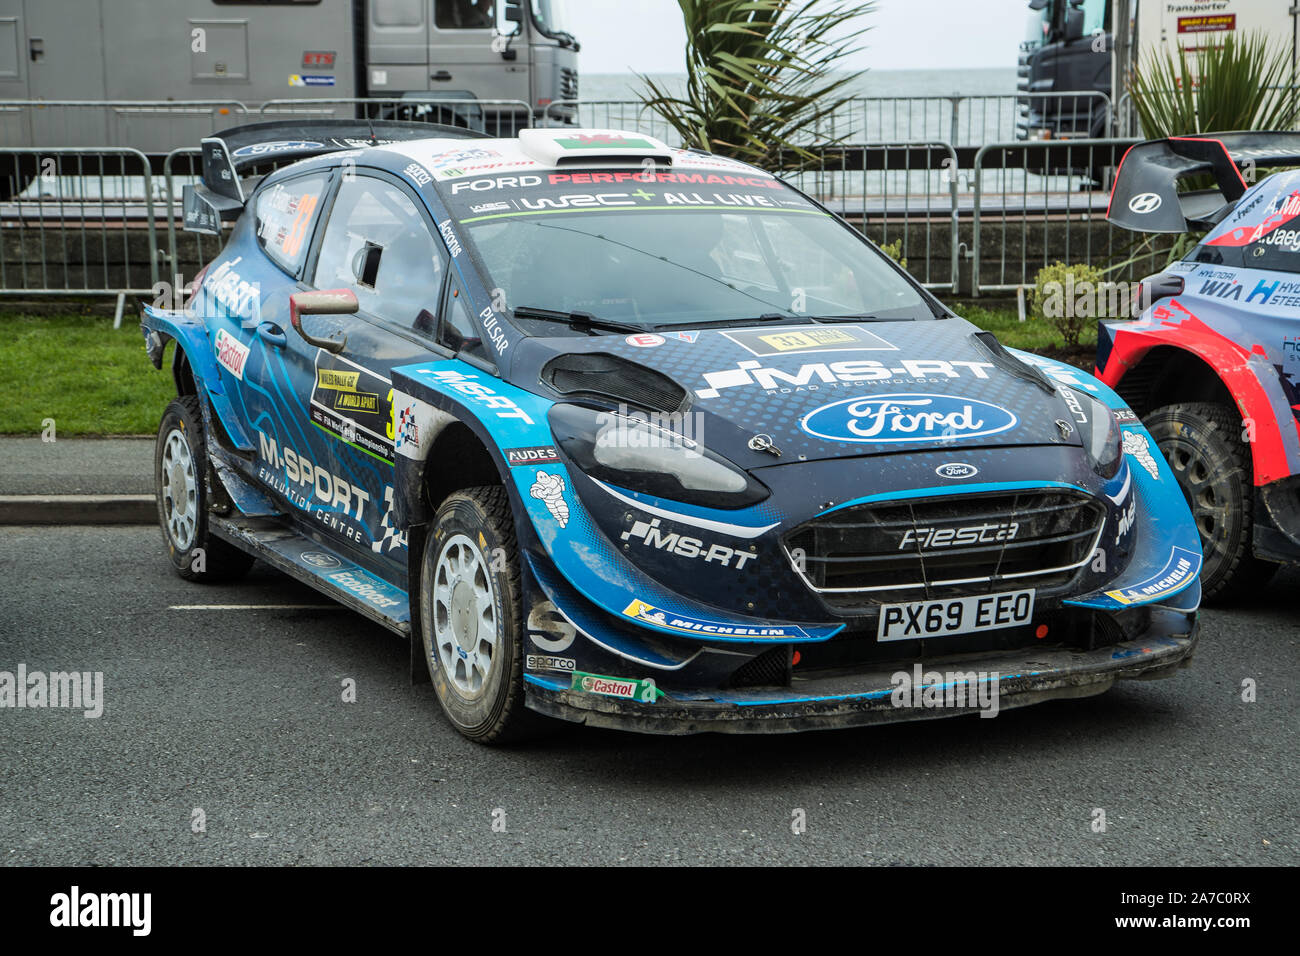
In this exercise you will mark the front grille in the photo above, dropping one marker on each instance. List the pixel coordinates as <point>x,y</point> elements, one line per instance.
<point>568,83</point>
<point>876,554</point>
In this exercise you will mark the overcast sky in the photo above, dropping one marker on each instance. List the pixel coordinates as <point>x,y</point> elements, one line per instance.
<point>647,35</point>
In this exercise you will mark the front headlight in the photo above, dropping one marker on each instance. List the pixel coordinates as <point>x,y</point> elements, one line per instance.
<point>1103,441</point>
<point>641,454</point>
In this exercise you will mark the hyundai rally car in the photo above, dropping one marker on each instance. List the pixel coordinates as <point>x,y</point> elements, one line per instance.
<point>642,437</point>
<point>1212,363</point>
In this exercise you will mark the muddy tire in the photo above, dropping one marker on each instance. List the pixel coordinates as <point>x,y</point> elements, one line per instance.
<point>471,620</point>
<point>1203,444</point>
<point>180,466</point>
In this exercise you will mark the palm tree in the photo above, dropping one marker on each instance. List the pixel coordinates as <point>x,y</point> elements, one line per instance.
<point>1245,83</point>
<point>759,73</point>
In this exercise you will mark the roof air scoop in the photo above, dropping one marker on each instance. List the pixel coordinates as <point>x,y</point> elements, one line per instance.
<point>561,147</point>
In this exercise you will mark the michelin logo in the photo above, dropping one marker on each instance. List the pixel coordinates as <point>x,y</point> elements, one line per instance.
<point>549,489</point>
<point>1138,446</point>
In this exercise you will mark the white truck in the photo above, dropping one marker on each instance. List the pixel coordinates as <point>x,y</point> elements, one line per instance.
<point>1076,45</point>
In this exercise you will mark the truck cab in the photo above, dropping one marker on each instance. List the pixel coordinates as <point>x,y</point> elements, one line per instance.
<point>1066,48</point>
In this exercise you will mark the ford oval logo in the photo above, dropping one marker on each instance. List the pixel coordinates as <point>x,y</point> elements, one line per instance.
<point>888,419</point>
<point>956,470</point>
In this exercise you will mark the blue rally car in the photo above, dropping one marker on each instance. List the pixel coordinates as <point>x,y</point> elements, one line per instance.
<point>642,437</point>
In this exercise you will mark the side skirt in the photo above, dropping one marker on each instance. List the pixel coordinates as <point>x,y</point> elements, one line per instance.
<point>320,567</point>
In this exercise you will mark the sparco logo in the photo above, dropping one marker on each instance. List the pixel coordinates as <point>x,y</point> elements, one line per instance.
<point>907,418</point>
<point>926,539</point>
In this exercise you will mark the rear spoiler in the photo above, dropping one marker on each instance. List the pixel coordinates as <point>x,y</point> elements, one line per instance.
<point>232,156</point>
<point>1145,197</point>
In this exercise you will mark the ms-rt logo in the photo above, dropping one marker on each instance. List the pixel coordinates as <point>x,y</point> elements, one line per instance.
<point>109,910</point>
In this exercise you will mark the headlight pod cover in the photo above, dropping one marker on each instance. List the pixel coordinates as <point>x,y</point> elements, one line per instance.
<point>641,453</point>
<point>1103,441</point>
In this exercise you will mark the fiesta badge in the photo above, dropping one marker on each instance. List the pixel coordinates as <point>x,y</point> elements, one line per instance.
<point>891,419</point>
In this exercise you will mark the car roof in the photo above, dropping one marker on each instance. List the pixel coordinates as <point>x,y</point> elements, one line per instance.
<point>535,150</point>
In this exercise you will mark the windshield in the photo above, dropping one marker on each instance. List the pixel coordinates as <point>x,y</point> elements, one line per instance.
<point>669,267</point>
<point>1037,27</point>
<point>551,16</point>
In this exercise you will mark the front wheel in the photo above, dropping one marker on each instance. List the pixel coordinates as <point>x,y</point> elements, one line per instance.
<point>1204,446</point>
<point>180,470</point>
<point>470,620</point>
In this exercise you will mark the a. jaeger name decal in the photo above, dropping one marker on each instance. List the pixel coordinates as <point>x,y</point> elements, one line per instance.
<point>818,375</point>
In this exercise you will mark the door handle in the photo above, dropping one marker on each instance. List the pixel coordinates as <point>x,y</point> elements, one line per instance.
<point>36,48</point>
<point>442,76</point>
<point>271,334</point>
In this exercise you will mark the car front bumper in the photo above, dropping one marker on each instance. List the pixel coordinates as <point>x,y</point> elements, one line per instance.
<point>876,693</point>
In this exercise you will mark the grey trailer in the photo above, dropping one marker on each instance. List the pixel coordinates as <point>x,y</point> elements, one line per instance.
<point>96,66</point>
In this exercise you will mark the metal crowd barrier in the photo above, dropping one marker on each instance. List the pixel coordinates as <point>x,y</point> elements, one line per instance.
<point>1048,202</point>
<point>86,221</point>
<point>77,222</point>
<point>503,117</point>
<point>959,119</point>
<point>148,125</point>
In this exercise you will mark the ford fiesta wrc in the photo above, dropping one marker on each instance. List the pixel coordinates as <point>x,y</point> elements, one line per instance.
<point>642,437</point>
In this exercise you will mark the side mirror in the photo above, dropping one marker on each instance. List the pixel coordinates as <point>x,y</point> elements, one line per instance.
<point>513,11</point>
<point>1073,24</point>
<point>332,302</point>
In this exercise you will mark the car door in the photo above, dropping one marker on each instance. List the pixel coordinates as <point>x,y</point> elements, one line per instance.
<point>378,242</point>
<point>265,369</point>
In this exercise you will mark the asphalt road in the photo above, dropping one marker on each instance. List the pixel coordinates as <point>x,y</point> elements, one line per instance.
<point>239,713</point>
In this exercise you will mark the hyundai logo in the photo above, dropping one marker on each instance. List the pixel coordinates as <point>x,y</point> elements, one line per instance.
<point>1144,203</point>
<point>888,419</point>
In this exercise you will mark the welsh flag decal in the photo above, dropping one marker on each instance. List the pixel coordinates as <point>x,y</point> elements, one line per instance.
<point>602,141</point>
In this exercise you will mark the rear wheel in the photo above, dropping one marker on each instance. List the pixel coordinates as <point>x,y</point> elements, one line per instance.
<point>471,623</point>
<point>1203,444</point>
<point>180,473</point>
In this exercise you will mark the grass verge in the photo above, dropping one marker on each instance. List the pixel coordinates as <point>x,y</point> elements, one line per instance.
<point>90,378</point>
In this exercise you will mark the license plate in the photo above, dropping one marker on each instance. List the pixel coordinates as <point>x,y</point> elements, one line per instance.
<point>968,615</point>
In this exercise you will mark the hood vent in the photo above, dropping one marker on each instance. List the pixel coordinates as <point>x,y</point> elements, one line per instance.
<point>605,377</point>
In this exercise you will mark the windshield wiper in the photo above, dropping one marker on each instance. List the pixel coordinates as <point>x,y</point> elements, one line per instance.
<point>826,319</point>
<point>746,320</point>
<point>579,320</point>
